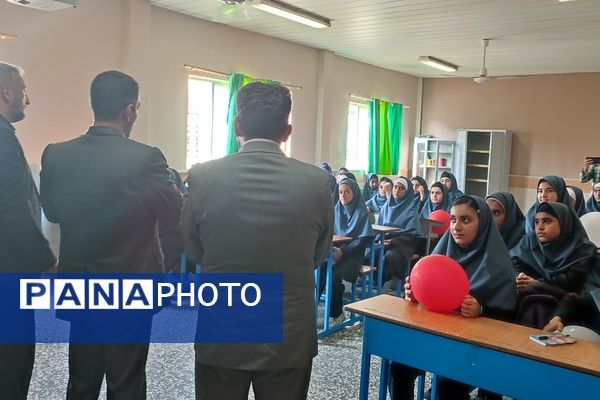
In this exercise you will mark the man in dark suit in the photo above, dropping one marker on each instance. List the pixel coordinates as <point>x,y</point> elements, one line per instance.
<point>23,247</point>
<point>108,192</point>
<point>265,213</point>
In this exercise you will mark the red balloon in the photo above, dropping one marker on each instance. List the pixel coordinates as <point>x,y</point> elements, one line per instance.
<point>440,216</point>
<point>439,283</point>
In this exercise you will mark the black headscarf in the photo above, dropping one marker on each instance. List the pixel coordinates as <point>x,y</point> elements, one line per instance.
<point>591,205</point>
<point>560,187</point>
<point>571,247</point>
<point>367,192</point>
<point>454,193</point>
<point>579,200</point>
<point>429,207</point>
<point>486,262</point>
<point>513,228</point>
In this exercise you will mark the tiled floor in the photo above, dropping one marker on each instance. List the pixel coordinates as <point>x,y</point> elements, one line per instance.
<point>336,370</point>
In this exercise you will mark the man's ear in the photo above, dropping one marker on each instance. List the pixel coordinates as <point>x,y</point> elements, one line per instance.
<point>6,93</point>
<point>287,133</point>
<point>130,111</point>
<point>238,130</point>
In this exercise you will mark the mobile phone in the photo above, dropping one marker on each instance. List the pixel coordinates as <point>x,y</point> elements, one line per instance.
<point>596,160</point>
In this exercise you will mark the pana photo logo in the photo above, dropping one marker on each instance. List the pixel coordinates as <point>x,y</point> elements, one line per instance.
<point>134,294</point>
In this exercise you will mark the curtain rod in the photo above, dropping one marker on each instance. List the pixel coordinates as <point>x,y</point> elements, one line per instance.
<point>225,75</point>
<point>352,96</point>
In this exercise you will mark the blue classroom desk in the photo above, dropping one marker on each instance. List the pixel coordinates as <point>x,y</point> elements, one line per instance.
<point>482,352</point>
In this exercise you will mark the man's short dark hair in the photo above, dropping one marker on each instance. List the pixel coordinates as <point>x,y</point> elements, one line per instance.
<point>263,110</point>
<point>111,92</point>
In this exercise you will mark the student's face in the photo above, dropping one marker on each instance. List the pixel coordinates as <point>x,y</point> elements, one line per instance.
<point>446,182</point>
<point>597,194</point>
<point>399,191</point>
<point>497,211</point>
<point>547,227</point>
<point>416,185</point>
<point>546,192</point>
<point>464,223</point>
<point>436,196</point>
<point>373,183</point>
<point>382,189</point>
<point>346,194</point>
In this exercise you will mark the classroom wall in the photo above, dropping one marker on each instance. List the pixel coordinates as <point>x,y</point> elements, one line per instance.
<point>62,51</point>
<point>554,120</point>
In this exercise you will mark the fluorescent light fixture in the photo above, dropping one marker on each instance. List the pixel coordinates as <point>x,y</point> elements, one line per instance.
<point>293,13</point>
<point>7,36</point>
<point>437,63</point>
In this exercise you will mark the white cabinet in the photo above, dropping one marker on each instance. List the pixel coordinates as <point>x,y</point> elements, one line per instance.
<point>431,157</point>
<point>483,160</point>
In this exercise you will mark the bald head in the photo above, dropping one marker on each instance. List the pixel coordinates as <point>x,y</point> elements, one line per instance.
<point>13,94</point>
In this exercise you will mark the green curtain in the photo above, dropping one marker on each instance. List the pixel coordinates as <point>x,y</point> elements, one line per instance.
<point>374,136</point>
<point>395,134</point>
<point>384,137</point>
<point>235,83</point>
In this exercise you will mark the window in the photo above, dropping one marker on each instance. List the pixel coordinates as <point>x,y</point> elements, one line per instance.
<point>206,120</point>
<point>357,138</point>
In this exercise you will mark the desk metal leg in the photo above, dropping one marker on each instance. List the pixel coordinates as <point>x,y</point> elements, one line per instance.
<point>383,378</point>
<point>380,268</point>
<point>365,369</point>
<point>428,244</point>
<point>317,289</point>
<point>183,262</point>
<point>328,289</point>
<point>421,386</point>
<point>434,382</point>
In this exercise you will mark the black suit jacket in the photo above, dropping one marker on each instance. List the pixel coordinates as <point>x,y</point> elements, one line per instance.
<point>23,247</point>
<point>107,193</point>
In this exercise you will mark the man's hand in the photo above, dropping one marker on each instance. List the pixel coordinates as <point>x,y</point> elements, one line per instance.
<point>587,163</point>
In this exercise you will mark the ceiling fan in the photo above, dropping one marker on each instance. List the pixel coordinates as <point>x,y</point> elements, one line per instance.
<point>234,9</point>
<point>483,74</point>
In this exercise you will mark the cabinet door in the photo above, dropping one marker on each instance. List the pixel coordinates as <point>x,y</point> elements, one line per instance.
<point>477,163</point>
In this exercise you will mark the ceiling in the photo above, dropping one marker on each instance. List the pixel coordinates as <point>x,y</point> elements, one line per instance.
<point>527,36</point>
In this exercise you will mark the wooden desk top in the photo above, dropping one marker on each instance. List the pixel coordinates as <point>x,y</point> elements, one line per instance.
<point>385,228</point>
<point>582,356</point>
<point>337,239</point>
<point>432,222</point>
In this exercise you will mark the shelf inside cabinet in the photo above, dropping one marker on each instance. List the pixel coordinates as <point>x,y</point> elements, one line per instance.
<point>479,151</point>
<point>476,180</point>
<point>478,165</point>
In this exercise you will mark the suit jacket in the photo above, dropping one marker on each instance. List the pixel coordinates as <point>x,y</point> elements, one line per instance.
<point>23,247</point>
<point>107,193</point>
<point>264,213</point>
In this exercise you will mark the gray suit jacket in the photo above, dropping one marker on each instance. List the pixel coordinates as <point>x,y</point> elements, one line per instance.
<point>23,247</point>
<point>264,212</point>
<point>107,193</point>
